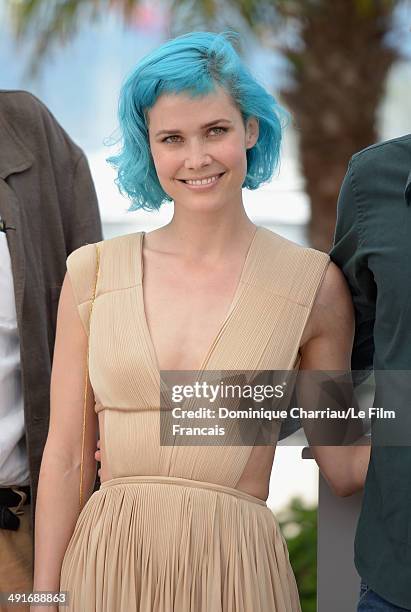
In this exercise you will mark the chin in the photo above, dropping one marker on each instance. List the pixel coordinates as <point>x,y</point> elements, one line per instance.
<point>200,205</point>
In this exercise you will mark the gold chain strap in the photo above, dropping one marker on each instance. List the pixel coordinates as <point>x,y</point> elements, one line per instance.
<point>86,377</point>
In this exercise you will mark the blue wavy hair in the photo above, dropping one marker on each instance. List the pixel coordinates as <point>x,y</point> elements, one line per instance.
<point>195,64</point>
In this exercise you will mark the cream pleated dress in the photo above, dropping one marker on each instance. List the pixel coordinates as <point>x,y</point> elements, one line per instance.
<point>170,532</point>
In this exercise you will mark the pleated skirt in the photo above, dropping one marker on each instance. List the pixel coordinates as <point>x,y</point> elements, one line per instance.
<point>168,544</point>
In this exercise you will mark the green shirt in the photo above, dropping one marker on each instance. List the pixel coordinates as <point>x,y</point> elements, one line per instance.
<point>373,248</point>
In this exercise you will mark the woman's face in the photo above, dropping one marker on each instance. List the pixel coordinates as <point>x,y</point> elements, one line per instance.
<point>199,148</point>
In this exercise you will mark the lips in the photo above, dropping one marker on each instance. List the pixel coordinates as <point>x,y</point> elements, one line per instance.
<point>205,178</point>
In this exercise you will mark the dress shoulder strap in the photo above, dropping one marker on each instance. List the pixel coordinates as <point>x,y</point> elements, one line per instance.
<point>81,269</point>
<point>119,263</point>
<point>287,269</point>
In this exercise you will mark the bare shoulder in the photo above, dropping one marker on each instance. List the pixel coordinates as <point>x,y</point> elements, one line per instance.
<point>332,311</point>
<point>333,292</point>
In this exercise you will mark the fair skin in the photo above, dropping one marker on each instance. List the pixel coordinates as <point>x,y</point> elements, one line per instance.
<point>191,271</point>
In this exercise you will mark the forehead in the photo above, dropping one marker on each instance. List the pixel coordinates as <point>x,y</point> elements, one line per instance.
<point>180,111</point>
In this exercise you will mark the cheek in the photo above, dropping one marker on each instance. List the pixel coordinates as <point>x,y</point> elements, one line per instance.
<point>165,164</point>
<point>235,155</point>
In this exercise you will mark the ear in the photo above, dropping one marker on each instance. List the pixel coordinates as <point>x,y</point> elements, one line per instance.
<point>251,132</point>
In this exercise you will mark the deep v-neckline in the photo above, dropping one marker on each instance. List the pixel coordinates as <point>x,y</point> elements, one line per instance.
<point>225,320</point>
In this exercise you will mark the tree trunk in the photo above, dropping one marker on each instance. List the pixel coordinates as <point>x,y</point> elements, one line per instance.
<point>339,80</point>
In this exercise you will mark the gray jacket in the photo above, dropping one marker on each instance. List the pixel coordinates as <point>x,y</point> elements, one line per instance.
<point>48,198</point>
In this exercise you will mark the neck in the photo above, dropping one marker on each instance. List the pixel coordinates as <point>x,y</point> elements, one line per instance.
<point>199,236</point>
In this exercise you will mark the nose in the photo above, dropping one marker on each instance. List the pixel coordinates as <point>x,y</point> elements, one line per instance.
<point>197,156</point>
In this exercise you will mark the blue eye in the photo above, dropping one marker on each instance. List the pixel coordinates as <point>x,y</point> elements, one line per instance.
<point>167,139</point>
<point>223,129</point>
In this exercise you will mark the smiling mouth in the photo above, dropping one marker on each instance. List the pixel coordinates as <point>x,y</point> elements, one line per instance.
<point>201,182</point>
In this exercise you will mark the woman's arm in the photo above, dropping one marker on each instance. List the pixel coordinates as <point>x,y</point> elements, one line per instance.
<point>328,345</point>
<point>57,506</point>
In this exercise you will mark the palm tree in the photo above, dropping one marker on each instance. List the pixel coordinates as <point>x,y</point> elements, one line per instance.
<point>339,63</point>
<point>339,78</point>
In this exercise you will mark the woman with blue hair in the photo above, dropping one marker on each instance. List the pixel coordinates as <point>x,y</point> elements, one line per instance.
<point>178,527</point>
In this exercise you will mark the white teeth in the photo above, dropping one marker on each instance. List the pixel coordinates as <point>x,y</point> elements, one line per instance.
<point>207,181</point>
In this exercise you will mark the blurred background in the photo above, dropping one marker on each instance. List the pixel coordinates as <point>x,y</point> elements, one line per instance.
<point>342,69</point>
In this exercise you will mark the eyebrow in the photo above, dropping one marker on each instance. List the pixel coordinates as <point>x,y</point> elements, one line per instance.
<point>206,125</point>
